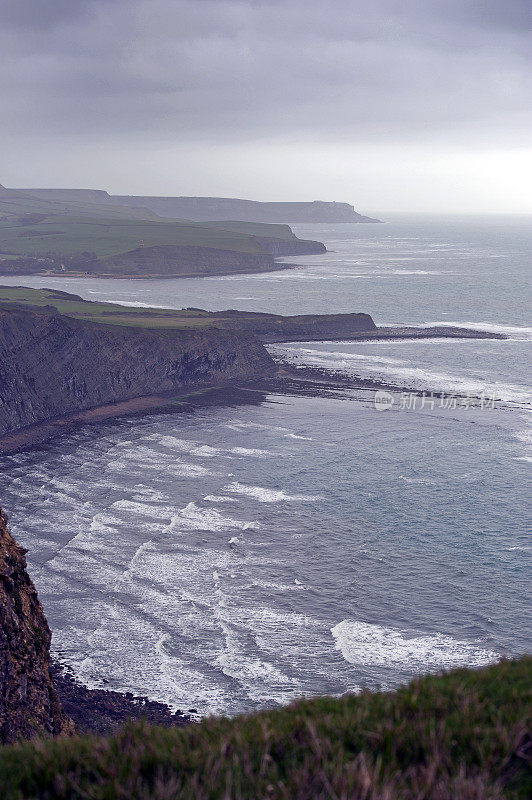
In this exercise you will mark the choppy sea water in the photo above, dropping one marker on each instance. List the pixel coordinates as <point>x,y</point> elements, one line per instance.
<point>241,557</point>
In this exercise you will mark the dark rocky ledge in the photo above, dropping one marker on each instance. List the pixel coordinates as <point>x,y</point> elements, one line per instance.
<point>412,332</point>
<point>101,711</point>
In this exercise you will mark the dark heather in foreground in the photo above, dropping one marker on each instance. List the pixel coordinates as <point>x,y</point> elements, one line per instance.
<point>464,735</point>
<point>29,705</point>
<point>52,365</point>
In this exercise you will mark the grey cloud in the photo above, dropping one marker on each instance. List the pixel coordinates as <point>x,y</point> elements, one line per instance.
<point>178,70</point>
<point>42,14</point>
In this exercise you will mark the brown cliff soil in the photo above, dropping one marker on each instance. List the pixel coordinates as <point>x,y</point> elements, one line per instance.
<point>29,705</point>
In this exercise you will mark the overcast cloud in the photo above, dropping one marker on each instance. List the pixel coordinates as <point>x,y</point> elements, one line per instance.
<point>170,96</point>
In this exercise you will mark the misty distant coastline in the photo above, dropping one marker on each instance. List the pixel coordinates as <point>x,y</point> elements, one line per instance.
<point>209,209</point>
<point>58,232</point>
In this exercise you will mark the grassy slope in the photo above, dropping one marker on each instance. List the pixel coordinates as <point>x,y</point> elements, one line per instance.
<point>107,230</point>
<point>451,737</point>
<point>152,318</point>
<point>110,313</point>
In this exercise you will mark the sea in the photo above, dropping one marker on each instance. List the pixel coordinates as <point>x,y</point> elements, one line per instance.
<point>244,556</point>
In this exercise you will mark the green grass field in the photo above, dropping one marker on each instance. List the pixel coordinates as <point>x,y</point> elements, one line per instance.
<point>109,313</point>
<point>35,227</point>
<point>460,736</point>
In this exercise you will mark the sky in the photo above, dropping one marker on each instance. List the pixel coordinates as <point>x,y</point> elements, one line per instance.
<point>409,105</point>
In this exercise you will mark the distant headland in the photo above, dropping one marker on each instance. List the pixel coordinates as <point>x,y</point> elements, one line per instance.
<point>206,209</point>
<point>86,232</point>
<point>67,361</point>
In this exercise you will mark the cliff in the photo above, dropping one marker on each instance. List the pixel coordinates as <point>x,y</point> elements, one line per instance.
<point>227,208</point>
<point>29,705</point>
<point>87,232</point>
<point>271,328</point>
<point>203,209</point>
<point>52,365</point>
<point>161,261</point>
<point>290,247</point>
<point>183,261</point>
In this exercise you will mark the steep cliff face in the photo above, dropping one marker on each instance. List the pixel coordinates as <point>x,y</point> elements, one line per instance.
<point>169,260</point>
<point>203,209</point>
<point>290,247</point>
<point>183,261</point>
<point>229,208</point>
<point>29,705</point>
<point>52,365</point>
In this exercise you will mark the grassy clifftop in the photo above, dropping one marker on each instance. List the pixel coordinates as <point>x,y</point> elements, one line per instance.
<point>268,327</point>
<point>53,235</point>
<point>460,736</point>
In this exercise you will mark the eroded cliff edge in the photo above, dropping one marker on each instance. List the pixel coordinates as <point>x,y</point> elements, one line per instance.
<point>29,705</point>
<point>52,365</point>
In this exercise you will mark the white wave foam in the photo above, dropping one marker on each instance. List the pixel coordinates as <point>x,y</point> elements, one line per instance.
<point>295,436</point>
<point>365,644</point>
<point>401,372</point>
<point>192,517</point>
<point>524,436</point>
<point>136,304</point>
<point>266,495</point>
<point>174,443</point>
<point>220,498</point>
<point>185,470</point>
<point>145,509</point>
<point>206,451</point>
<point>414,272</point>
<point>419,480</point>
<point>515,332</point>
<point>249,451</point>
<point>235,426</point>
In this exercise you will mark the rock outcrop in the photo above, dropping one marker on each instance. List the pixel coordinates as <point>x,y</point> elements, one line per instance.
<point>29,705</point>
<point>271,328</point>
<point>52,365</point>
<point>104,711</point>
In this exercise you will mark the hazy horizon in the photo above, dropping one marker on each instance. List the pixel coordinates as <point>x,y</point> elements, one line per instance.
<point>406,106</point>
<point>389,212</point>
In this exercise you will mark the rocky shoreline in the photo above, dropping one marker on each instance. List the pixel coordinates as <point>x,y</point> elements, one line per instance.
<point>37,435</point>
<point>168,261</point>
<point>53,366</point>
<point>102,711</point>
<point>391,333</point>
<point>100,372</point>
<point>49,272</point>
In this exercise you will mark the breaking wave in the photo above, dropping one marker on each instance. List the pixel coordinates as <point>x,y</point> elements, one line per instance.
<point>364,644</point>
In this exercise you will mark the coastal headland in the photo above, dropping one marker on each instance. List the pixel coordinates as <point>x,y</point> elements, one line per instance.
<point>56,232</point>
<point>65,361</point>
